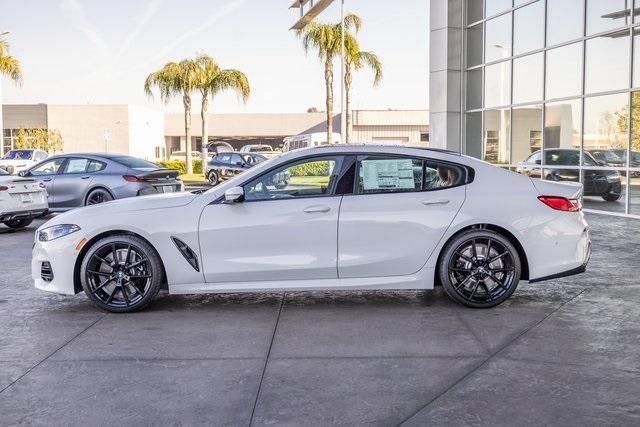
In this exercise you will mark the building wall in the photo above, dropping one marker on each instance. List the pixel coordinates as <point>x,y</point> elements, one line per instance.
<point>146,133</point>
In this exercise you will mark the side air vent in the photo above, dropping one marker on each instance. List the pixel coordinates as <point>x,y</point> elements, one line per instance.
<point>187,253</point>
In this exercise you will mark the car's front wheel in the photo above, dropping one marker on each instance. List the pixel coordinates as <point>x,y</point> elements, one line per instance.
<point>213,177</point>
<point>479,268</point>
<point>18,223</point>
<point>121,273</point>
<point>611,197</point>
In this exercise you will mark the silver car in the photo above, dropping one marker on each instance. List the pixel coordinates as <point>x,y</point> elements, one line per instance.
<point>80,179</point>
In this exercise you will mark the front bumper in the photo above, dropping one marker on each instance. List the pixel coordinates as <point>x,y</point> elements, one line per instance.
<point>60,254</point>
<point>34,213</point>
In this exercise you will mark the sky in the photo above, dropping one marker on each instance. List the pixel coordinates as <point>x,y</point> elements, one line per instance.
<point>99,52</point>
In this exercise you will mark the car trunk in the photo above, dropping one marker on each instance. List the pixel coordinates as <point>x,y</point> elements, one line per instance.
<point>23,190</point>
<point>569,190</point>
<point>162,180</point>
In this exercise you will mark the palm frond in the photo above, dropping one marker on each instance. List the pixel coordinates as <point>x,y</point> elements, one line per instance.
<point>9,65</point>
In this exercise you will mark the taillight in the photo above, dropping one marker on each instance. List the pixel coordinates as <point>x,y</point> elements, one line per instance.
<point>132,178</point>
<point>561,203</point>
<point>3,188</point>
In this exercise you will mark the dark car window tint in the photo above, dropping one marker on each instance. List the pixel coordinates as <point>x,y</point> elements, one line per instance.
<point>235,159</point>
<point>442,175</point>
<point>76,165</point>
<point>134,163</point>
<point>563,157</point>
<point>224,158</point>
<point>96,166</point>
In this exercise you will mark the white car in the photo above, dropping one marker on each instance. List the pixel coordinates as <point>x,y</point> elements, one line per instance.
<point>263,149</point>
<point>350,217</point>
<point>15,161</point>
<point>21,200</point>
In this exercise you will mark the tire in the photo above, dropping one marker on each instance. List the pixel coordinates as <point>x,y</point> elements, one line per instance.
<point>95,197</point>
<point>464,271</point>
<point>214,178</point>
<point>114,288</point>
<point>610,197</point>
<point>18,223</point>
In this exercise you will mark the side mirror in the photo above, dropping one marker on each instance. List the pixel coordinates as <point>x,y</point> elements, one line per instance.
<point>234,195</point>
<point>23,173</point>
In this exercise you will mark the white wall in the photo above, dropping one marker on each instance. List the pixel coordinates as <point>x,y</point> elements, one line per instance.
<point>146,132</point>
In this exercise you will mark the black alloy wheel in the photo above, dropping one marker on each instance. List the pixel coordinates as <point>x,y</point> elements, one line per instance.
<point>18,223</point>
<point>213,178</point>
<point>121,273</point>
<point>480,268</point>
<point>98,196</point>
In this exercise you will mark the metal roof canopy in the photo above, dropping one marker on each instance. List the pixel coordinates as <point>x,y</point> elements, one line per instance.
<point>317,6</point>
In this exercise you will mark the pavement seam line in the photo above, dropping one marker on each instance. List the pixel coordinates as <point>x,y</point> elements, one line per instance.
<point>266,360</point>
<point>54,352</point>
<point>491,356</point>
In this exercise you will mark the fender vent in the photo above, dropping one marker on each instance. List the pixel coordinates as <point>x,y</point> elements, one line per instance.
<point>187,253</point>
<point>46,272</point>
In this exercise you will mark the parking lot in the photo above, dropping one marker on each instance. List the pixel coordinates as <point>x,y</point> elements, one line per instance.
<point>561,352</point>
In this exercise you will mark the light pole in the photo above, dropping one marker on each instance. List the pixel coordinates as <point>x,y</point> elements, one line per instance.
<point>343,119</point>
<point>1,123</point>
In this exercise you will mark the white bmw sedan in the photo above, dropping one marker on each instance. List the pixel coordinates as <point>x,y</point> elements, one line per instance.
<point>349,217</point>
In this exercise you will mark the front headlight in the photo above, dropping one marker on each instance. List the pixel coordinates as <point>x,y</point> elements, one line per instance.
<point>56,231</point>
<point>613,177</point>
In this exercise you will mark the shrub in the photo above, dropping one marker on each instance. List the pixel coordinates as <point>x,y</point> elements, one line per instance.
<point>320,168</point>
<point>181,165</point>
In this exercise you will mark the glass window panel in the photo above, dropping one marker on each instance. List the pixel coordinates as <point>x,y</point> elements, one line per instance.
<point>527,132</point>
<point>527,78</point>
<point>474,45</point>
<point>497,84</point>
<point>564,20</point>
<point>564,72</point>
<point>393,175</point>
<point>604,190</point>
<point>474,11</point>
<point>562,124</point>
<point>497,6</point>
<point>496,133</point>
<point>498,38</point>
<point>519,2</point>
<point>636,11</point>
<point>636,57</point>
<point>474,89</point>
<point>603,15</point>
<point>607,63</point>
<point>528,28</point>
<point>473,135</point>
<point>605,124</point>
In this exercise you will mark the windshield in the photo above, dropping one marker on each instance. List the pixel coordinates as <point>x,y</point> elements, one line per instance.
<point>134,163</point>
<point>18,155</point>
<point>239,179</point>
<point>611,156</point>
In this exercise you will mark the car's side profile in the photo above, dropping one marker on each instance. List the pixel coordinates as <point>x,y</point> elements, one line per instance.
<point>82,179</point>
<point>15,161</point>
<point>350,217</point>
<point>229,164</point>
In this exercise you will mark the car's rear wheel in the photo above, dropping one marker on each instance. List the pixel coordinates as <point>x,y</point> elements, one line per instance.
<point>98,196</point>
<point>121,273</point>
<point>18,223</point>
<point>214,178</point>
<point>479,268</point>
<point>610,197</point>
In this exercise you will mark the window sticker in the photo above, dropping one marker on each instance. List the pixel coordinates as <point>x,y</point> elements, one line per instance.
<point>387,174</point>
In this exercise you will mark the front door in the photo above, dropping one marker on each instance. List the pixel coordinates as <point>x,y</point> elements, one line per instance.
<point>46,173</point>
<point>400,209</point>
<point>281,231</point>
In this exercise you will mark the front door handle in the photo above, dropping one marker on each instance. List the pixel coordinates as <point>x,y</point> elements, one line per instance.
<point>317,208</point>
<point>435,202</point>
<point>85,177</point>
<point>47,179</point>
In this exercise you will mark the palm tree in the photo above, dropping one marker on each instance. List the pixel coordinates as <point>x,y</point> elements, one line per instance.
<point>211,81</point>
<point>354,60</point>
<point>177,79</point>
<point>10,67</point>
<point>325,38</point>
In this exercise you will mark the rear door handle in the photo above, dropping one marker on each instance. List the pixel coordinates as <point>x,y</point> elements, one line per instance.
<point>435,202</point>
<point>317,208</point>
<point>46,179</point>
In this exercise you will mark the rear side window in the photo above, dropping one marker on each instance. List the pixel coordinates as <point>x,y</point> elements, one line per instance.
<point>404,174</point>
<point>96,166</point>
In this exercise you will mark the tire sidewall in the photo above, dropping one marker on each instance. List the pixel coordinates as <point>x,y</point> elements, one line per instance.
<point>107,196</point>
<point>155,265</point>
<point>449,250</point>
<point>213,178</point>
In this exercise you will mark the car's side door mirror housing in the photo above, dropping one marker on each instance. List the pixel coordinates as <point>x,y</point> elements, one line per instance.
<point>234,195</point>
<point>23,173</point>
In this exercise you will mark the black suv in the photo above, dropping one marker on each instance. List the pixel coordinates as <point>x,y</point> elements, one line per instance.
<point>597,182</point>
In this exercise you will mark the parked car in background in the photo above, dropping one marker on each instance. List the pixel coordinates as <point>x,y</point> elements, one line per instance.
<point>634,160</point>
<point>229,164</point>
<point>21,200</point>
<point>80,179</point>
<point>353,217</point>
<point>15,161</point>
<point>597,182</point>
<point>308,140</point>
<point>263,149</point>
<point>609,158</point>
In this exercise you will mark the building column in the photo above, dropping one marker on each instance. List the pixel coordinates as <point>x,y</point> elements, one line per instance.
<point>445,65</point>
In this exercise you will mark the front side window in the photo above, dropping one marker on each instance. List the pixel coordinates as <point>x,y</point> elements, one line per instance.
<point>47,168</point>
<point>307,178</point>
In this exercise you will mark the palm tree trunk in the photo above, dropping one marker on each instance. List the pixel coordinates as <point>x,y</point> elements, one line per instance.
<point>204,114</point>
<point>186,100</point>
<point>328,78</point>
<point>348,79</point>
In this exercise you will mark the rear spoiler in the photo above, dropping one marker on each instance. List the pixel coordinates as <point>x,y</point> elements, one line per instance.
<point>568,190</point>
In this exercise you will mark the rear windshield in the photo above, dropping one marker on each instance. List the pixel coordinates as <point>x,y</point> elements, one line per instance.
<point>18,155</point>
<point>134,163</point>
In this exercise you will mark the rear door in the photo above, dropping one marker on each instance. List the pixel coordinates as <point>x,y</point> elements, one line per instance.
<point>73,183</point>
<point>400,209</point>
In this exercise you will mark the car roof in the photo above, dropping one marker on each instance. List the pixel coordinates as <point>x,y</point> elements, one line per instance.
<point>99,155</point>
<point>367,148</point>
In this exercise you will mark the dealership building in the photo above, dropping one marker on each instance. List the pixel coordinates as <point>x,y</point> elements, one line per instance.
<point>509,78</point>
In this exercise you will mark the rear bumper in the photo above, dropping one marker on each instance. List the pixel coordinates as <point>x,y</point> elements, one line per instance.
<point>35,213</point>
<point>577,270</point>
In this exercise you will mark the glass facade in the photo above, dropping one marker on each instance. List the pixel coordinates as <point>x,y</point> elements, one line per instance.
<point>552,90</point>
